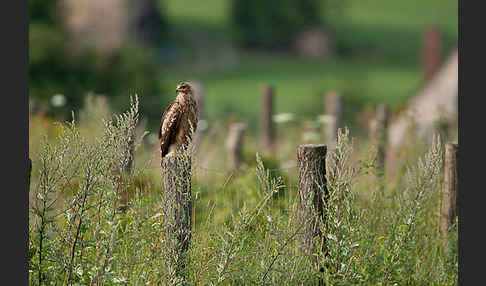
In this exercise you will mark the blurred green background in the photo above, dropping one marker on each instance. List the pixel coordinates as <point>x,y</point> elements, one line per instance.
<point>232,47</point>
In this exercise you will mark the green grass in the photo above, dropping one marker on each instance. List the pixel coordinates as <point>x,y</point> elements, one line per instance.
<point>393,25</point>
<point>300,84</point>
<point>208,12</point>
<point>412,14</point>
<point>373,239</point>
<point>247,226</point>
<point>377,43</point>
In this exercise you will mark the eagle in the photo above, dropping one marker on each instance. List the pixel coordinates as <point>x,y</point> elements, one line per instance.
<point>179,121</point>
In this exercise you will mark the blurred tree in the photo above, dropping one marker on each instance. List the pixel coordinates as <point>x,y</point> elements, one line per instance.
<point>273,23</point>
<point>54,68</point>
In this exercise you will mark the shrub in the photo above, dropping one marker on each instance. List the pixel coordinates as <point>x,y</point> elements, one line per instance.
<point>78,241</point>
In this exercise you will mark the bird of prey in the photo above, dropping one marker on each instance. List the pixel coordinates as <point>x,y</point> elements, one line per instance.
<point>179,121</point>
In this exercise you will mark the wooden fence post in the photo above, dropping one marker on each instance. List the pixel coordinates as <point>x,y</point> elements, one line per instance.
<point>126,169</point>
<point>311,161</point>
<point>333,115</point>
<point>431,51</point>
<point>234,145</point>
<point>199,94</point>
<point>307,135</point>
<point>267,127</point>
<point>177,205</point>
<point>449,190</point>
<point>379,133</point>
<point>30,172</point>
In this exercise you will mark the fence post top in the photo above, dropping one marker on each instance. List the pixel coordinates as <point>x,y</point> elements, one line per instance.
<point>238,125</point>
<point>268,87</point>
<point>452,144</point>
<point>312,148</point>
<point>334,94</point>
<point>383,106</point>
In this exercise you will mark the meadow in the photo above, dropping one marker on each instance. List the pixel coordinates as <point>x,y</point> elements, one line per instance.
<point>92,222</point>
<point>95,221</point>
<point>377,43</point>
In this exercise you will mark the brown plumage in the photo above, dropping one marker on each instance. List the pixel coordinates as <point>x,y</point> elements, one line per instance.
<point>175,128</point>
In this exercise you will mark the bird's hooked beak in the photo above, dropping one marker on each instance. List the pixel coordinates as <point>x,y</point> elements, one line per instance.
<point>181,88</point>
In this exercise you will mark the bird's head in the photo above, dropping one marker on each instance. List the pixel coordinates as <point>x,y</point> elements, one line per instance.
<point>184,88</point>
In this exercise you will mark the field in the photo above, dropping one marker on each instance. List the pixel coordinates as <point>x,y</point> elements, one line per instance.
<point>378,43</point>
<point>99,213</point>
<point>93,222</point>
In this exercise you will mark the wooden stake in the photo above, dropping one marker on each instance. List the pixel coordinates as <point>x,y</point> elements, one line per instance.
<point>199,94</point>
<point>177,205</point>
<point>333,115</point>
<point>30,172</point>
<point>449,190</point>
<point>379,134</point>
<point>431,51</point>
<point>234,145</point>
<point>267,127</point>
<point>311,161</point>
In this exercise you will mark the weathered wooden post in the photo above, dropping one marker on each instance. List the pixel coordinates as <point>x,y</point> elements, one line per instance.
<point>177,205</point>
<point>307,134</point>
<point>449,190</point>
<point>234,145</point>
<point>199,93</point>
<point>431,51</point>
<point>267,127</point>
<point>311,161</point>
<point>379,133</point>
<point>30,172</point>
<point>126,169</point>
<point>332,116</point>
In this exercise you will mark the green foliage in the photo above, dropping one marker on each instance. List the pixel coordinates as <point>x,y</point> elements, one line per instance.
<point>243,231</point>
<point>273,23</point>
<point>54,68</point>
<point>76,242</point>
<point>44,10</point>
<point>359,83</point>
<point>377,57</point>
<point>128,70</point>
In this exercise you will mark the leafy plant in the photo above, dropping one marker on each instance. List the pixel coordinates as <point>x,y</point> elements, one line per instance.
<point>92,224</point>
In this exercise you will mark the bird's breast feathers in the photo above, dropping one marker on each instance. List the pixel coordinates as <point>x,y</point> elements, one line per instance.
<point>169,119</point>
<point>178,123</point>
